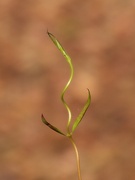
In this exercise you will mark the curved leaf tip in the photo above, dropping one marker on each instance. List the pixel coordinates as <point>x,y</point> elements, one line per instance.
<point>82,113</point>
<point>51,126</point>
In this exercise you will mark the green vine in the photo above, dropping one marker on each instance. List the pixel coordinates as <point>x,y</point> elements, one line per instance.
<point>69,132</point>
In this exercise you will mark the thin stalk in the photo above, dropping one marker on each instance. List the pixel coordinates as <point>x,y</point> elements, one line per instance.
<point>77,158</point>
<point>82,113</point>
<point>65,88</point>
<point>68,59</point>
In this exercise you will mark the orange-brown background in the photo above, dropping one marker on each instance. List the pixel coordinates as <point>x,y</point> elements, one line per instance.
<point>99,35</point>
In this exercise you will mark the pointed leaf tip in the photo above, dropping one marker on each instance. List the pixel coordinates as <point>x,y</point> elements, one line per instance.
<point>82,113</point>
<point>51,126</point>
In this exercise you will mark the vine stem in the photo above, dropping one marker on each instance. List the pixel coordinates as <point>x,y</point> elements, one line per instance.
<point>68,59</point>
<point>65,88</point>
<point>77,157</point>
<point>69,133</point>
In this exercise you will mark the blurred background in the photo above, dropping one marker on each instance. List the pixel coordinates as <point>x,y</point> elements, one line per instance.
<point>100,38</point>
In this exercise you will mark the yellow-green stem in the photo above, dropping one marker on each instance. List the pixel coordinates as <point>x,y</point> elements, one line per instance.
<point>77,158</point>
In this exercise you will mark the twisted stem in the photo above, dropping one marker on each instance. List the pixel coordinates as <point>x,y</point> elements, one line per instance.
<point>68,59</point>
<point>80,116</point>
<point>63,93</point>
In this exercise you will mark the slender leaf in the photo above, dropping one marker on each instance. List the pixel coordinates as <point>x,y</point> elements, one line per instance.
<point>82,113</point>
<point>51,126</point>
<point>59,46</point>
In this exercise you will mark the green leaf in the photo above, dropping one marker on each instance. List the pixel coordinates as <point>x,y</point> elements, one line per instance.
<point>82,113</point>
<point>59,46</point>
<point>51,126</point>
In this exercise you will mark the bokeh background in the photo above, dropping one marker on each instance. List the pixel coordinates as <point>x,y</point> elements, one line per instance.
<point>99,35</point>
